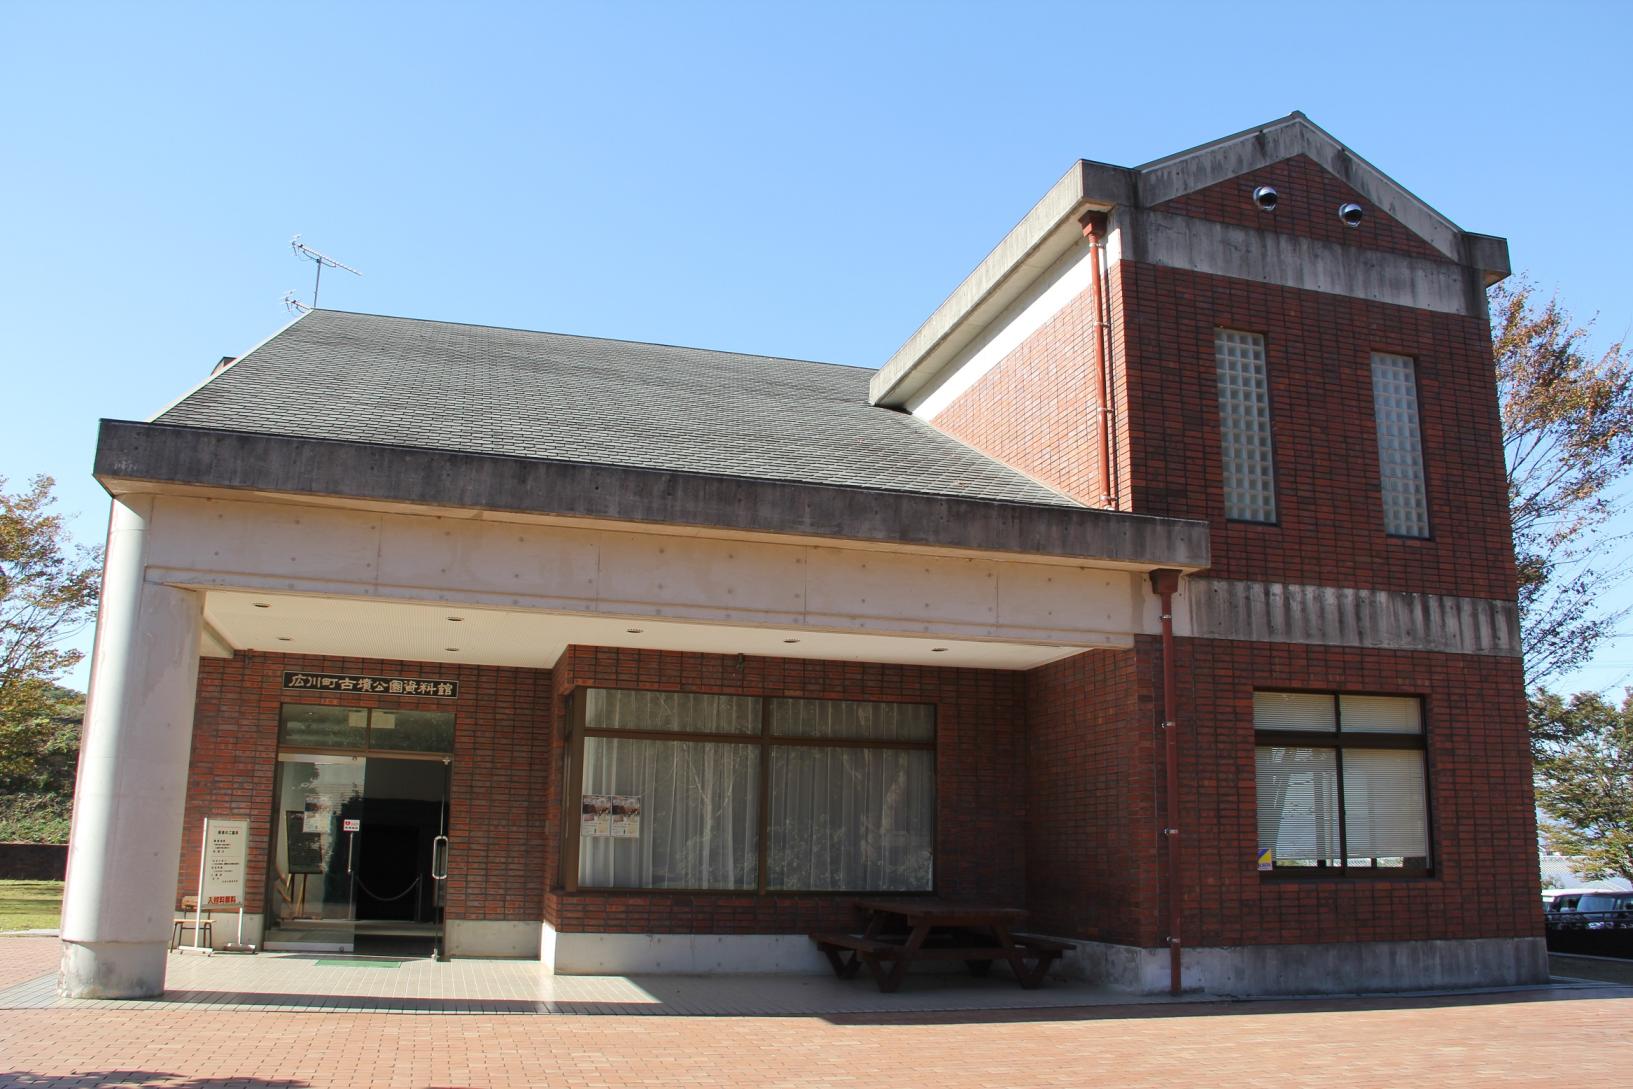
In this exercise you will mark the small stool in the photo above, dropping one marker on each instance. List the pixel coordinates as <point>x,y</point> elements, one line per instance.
<point>204,927</point>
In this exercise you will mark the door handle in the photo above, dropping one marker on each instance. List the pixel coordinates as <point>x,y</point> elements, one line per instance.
<point>439,859</point>
<point>351,838</point>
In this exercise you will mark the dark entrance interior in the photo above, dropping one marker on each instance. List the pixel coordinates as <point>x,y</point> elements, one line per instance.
<point>403,811</point>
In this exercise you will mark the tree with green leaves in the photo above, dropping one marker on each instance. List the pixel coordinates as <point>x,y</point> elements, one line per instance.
<point>1568,440</point>
<point>48,594</point>
<point>1584,777</point>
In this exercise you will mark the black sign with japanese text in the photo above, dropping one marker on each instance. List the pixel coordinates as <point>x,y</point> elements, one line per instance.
<point>296,681</point>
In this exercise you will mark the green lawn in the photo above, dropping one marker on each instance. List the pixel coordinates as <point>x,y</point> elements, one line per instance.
<point>30,905</point>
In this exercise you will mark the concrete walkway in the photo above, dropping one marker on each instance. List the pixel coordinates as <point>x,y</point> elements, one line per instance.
<point>1536,1037</point>
<point>292,982</point>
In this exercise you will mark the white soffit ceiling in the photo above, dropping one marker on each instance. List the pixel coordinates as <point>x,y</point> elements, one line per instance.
<point>296,624</point>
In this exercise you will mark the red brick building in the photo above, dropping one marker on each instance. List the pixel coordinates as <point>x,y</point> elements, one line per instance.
<point>1160,585</point>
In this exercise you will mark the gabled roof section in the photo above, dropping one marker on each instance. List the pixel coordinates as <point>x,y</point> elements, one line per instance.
<point>364,378</point>
<point>1050,230</point>
<point>1253,149</point>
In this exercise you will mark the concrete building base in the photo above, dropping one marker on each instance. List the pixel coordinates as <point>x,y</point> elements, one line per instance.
<point>1328,968</point>
<point>487,938</point>
<point>112,969</point>
<point>679,954</point>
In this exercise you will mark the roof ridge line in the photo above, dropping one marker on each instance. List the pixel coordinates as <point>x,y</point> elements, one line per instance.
<point>585,336</point>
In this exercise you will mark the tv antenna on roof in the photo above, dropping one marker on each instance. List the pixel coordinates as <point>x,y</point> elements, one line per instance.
<point>321,260</point>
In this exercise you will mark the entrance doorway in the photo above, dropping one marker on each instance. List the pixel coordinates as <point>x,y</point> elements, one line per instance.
<point>360,843</point>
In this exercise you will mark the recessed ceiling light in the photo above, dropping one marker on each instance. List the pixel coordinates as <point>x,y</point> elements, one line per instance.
<point>790,640</point>
<point>938,650</point>
<point>260,605</point>
<point>635,631</point>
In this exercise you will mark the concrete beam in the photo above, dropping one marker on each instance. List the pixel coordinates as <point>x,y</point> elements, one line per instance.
<point>1270,612</point>
<point>130,454</point>
<point>1220,249</point>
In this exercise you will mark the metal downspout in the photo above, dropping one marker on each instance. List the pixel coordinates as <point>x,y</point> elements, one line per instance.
<point>1094,229</point>
<point>1164,583</point>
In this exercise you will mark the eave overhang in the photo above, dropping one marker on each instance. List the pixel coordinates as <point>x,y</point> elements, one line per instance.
<point>1037,241</point>
<point>143,456</point>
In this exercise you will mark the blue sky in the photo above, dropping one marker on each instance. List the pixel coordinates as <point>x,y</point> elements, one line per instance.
<point>798,181</point>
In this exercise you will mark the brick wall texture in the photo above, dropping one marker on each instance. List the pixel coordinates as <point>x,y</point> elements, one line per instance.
<point>1307,206</point>
<point>497,815</point>
<point>1486,879</point>
<point>980,782</point>
<point>1050,782</point>
<point>1035,409</point>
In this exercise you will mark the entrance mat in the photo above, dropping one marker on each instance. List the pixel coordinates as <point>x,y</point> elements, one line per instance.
<point>356,962</point>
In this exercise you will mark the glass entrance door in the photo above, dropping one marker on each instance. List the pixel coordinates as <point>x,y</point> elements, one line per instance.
<point>315,853</point>
<point>398,895</point>
<point>360,843</point>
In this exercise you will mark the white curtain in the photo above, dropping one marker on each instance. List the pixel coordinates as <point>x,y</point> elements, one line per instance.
<point>851,819</point>
<point>699,814</point>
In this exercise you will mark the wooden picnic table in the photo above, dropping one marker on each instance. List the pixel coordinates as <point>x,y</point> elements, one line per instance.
<point>899,932</point>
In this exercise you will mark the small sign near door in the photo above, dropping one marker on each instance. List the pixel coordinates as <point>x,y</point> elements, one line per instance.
<point>351,824</point>
<point>221,870</point>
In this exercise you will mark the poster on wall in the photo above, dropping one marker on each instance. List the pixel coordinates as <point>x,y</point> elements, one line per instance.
<point>303,850</point>
<point>595,815</point>
<point>626,816</point>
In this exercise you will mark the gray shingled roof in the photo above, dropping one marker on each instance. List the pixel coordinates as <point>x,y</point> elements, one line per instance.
<point>367,378</point>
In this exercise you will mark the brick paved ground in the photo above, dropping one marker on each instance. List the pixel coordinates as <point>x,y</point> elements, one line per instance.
<point>1485,1040</point>
<point>25,958</point>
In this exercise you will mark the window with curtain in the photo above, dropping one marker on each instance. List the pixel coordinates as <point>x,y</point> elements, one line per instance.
<point>1400,445</point>
<point>670,793</point>
<point>1244,426</point>
<point>1341,783</point>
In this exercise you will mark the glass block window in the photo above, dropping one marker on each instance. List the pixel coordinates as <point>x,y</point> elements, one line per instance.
<point>1244,426</point>
<point>1400,445</point>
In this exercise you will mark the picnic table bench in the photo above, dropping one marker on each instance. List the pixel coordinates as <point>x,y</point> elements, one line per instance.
<point>900,932</point>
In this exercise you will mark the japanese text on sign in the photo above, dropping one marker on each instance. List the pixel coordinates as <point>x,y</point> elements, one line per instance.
<point>380,686</point>
<point>222,871</point>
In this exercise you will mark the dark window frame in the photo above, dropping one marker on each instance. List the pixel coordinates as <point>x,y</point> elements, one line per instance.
<point>1337,741</point>
<point>577,730</point>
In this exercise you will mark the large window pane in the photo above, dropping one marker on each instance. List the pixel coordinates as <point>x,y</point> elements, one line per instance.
<point>1298,805</point>
<point>699,807</point>
<point>674,712</point>
<point>853,720</point>
<point>1385,820</point>
<point>1294,711</point>
<point>851,819</point>
<point>1381,714</point>
<point>305,724</point>
<point>412,731</point>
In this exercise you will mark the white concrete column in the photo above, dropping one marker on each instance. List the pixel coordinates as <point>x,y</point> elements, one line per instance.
<point>126,840</point>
